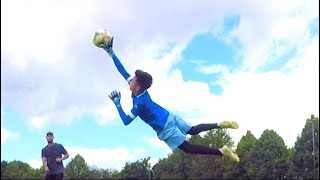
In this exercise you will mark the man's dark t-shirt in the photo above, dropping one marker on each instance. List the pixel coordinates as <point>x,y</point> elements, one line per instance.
<point>51,153</point>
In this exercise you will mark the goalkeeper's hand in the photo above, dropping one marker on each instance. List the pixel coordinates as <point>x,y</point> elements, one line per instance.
<point>115,97</point>
<point>108,47</point>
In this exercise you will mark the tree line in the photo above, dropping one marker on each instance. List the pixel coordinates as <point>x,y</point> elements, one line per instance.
<point>266,157</point>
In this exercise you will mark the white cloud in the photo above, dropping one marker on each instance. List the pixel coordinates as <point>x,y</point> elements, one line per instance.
<point>266,100</point>
<point>35,163</point>
<point>216,68</point>
<point>34,28</point>
<point>8,135</point>
<point>99,157</point>
<point>257,100</point>
<point>274,100</point>
<point>103,157</point>
<point>38,122</point>
<point>154,141</point>
<point>153,161</point>
<point>107,114</point>
<point>266,23</point>
<point>278,100</point>
<point>139,151</point>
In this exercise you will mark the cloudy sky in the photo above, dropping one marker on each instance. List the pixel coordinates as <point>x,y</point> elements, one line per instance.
<point>255,62</point>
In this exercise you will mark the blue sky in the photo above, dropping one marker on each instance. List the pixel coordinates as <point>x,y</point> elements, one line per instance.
<point>253,62</point>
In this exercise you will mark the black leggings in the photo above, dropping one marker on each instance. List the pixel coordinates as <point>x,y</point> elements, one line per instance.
<point>202,127</point>
<point>199,149</point>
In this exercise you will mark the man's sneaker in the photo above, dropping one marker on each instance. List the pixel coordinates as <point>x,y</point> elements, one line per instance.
<point>229,124</point>
<point>226,151</point>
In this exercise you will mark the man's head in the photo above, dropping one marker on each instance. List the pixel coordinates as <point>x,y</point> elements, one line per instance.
<point>140,82</point>
<point>49,137</point>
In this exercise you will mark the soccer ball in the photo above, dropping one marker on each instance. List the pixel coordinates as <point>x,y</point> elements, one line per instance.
<point>102,38</point>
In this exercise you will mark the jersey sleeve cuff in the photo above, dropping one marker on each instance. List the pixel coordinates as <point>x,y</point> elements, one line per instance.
<point>129,78</point>
<point>132,115</point>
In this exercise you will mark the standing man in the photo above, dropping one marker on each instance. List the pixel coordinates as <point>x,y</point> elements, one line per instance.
<point>52,158</point>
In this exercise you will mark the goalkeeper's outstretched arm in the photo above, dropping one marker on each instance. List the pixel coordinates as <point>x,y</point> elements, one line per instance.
<point>118,64</point>
<point>126,119</point>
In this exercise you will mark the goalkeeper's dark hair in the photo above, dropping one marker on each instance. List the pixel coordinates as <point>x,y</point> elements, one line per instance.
<point>144,79</point>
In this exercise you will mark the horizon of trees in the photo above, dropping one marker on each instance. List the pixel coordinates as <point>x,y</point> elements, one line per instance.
<point>266,157</point>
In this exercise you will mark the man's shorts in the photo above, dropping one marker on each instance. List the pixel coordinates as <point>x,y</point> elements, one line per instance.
<point>174,131</point>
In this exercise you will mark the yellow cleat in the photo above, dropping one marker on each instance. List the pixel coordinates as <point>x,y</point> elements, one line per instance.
<point>229,124</point>
<point>227,152</point>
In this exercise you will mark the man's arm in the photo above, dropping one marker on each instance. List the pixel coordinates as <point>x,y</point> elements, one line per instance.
<point>44,160</point>
<point>65,154</point>
<point>44,164</point>
<point>118,64</point>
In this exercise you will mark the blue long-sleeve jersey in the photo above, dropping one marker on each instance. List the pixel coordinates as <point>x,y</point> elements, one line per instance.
<point>143,106</point>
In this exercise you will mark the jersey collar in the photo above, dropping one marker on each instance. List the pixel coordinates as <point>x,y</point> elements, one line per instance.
<point>142,93</point>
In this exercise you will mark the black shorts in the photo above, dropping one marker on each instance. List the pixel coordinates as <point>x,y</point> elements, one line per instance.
<point>54,176</point>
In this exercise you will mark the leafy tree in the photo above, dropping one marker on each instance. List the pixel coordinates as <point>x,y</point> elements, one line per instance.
<point>303,159</point>
<point>166,167</point>
<point>176,166</point>
<point>217,138</point>
<point>99,173</point>
<point>77,168</point>
<point>268,158</point>
<point>137,170</point>
<point>12,171</point>
<point>110,173</point>
<point>95,173</point>
<point>245,145</point>
<point>38,173</point>
<point>17,170</point>
<point>4,165</point>
<point>180,165</point>
<point>208,166</point>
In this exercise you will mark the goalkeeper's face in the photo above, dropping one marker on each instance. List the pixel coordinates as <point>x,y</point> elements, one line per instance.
<point>134,85</point>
